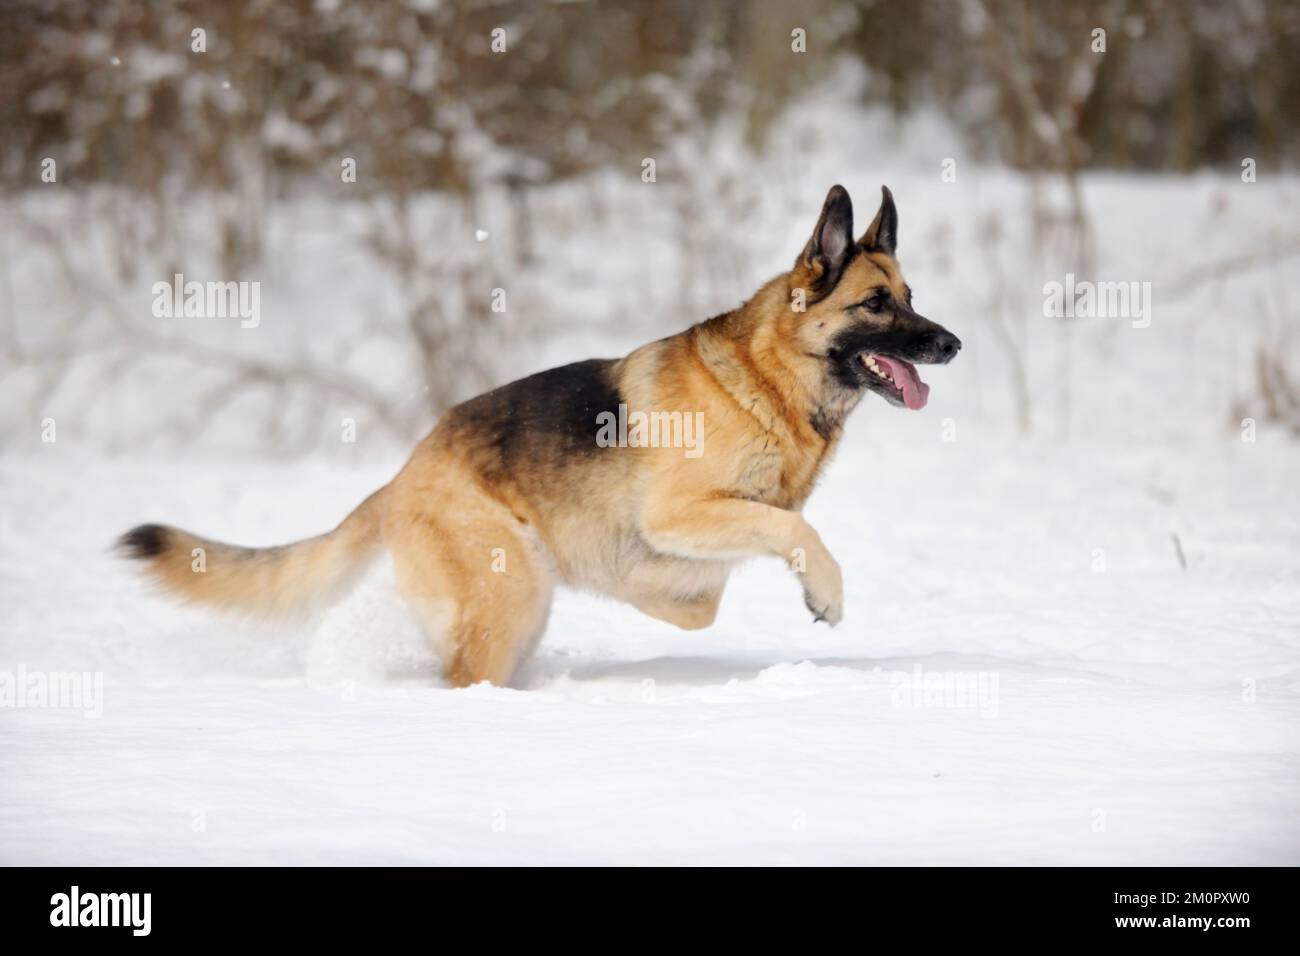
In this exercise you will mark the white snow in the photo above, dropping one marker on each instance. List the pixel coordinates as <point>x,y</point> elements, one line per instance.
<point>1138,714</point>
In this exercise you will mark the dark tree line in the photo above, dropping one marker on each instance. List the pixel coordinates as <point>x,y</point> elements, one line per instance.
<point>416,94</point>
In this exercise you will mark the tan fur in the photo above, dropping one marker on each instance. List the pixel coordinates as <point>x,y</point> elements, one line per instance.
<point>479,547</point>
<point>270,582</point>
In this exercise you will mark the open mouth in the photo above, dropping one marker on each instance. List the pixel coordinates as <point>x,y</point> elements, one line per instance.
<point>898,376</point>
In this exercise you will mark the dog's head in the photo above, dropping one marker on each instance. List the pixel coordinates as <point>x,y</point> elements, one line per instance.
<point>857,311</point>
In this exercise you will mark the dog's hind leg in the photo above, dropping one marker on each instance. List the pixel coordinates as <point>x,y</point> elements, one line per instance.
<point>483,603</point>
<point>477,579</point>
<point>494,637</point>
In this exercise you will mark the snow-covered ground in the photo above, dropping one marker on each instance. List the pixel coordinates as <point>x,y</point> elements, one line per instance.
<point>1026,673</point>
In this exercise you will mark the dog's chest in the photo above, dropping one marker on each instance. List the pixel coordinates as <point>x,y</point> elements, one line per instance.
<point>769,472</point>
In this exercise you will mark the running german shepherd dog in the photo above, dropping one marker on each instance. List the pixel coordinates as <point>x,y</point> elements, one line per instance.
<point>523,488</point>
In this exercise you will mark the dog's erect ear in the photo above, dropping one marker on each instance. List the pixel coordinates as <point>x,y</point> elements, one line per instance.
<point>882,234</point>
<point>831,245</point>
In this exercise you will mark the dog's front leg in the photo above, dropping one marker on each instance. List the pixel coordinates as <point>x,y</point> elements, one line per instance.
<point>734,528</point>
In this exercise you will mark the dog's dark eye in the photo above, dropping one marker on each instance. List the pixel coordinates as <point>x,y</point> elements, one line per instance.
<point>877,301</point>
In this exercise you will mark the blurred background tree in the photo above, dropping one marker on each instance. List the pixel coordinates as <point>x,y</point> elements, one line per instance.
<point>412,91</point>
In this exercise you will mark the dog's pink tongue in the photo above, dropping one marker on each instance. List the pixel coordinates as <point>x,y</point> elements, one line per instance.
<point>915,392</point>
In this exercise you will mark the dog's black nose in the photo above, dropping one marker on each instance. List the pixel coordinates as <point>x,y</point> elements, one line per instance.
<point>948,346</point>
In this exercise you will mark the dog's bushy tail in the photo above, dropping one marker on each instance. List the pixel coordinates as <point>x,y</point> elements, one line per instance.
<point>271,582</point>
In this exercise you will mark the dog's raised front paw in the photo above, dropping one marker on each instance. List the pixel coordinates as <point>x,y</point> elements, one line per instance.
<point>832,612</point>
